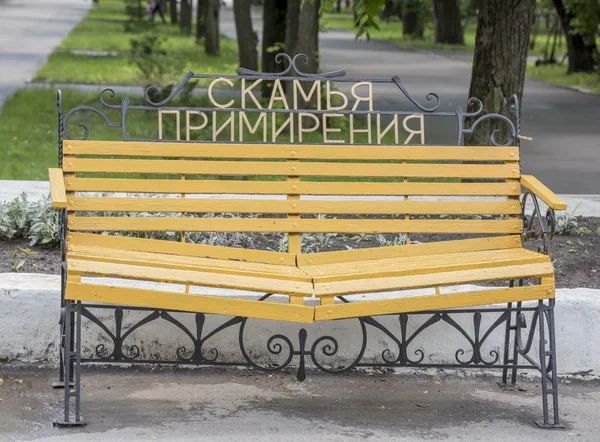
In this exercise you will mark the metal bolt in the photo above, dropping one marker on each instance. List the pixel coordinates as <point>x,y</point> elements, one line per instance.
<point>549,291</point>
<point>514,171</point>
<point>329,311</point>
<point>69,183</point>
<point>294,187</point>
<point>293,168</point>
<point>294,205</point>
<point>293,153</point>
<point>294,224</point>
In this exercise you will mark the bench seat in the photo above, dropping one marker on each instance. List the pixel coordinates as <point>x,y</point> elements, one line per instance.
<point>322,275</point>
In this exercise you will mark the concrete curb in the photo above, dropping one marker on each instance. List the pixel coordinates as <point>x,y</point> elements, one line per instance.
<point>31,307</point>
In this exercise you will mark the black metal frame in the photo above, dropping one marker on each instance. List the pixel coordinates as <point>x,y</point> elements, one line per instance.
<point>517,349</point>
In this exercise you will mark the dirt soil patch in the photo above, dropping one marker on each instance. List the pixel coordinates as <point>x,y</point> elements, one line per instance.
<point>576,256</point>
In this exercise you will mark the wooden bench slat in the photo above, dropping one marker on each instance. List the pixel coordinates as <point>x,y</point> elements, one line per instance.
<point>410,250</point>
<point>433,279</point>
<point>280,168</point>
<point>283,187</point>
<point>423,264</point>
<point>149,224</point>
<point>103,254</point>
<point>190,303</point>
<point>181,249</point>
<point>207,279</point>
<point>288,151</point>
<point>424,303</point>
<point>207,205</point>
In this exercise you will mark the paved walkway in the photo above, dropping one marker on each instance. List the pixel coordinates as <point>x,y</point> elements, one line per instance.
<point>29,31</point>
<point>224,405</point>
<point>565,152</point>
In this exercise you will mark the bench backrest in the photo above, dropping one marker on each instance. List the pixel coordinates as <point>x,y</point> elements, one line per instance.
<point>293,189</point>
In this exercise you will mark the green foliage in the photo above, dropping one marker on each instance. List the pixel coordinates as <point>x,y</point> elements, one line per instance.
<point>586,18</point>
<point>566,222</point>
<point>156,64</point>
<point>34,221</point>
<point>583,230</point>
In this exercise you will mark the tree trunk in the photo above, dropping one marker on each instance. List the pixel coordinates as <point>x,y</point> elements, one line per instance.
<point>185,15</point>
<point>412,19</point>
<point>246,36</point>
<point>446,19</point>
<point>307,43</point>
<point>581,50</point>
<point>338,6</point>
<point>292,21</point>
<point>501,44</point>
<point>201,14</point>
<point>212,43</point>
<point>274,12</point>
<point>173,11</point>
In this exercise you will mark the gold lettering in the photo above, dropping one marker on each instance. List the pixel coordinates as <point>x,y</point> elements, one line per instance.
<point>327,130</point>
<point>314,90</point>
<point>210,93</point>
<point>368,98</point>
<point>421,131</point>
<point>229,121</point>
<point>302,129</point>
<point>160,123</point>
<point>244,121</point>
<point>188,128</point>
<point>329,93</point>
<point>248,91</point>
<point>360,131</point>
<point>393,123</point>
<point>289,121</point>
<point>277,88</point>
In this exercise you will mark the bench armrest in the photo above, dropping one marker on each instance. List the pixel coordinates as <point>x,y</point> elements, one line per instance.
<point>542,192</point>
<point>57,188</point>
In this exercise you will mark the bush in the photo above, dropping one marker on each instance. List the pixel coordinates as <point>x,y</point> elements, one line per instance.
<point>36,222</point>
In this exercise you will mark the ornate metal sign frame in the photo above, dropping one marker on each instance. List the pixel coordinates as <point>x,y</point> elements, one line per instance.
<point>407,351</point>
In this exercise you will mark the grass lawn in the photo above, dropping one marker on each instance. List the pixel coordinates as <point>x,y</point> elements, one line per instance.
<point>557,74</point>
<point>104,30</point>
<point>28,129</point>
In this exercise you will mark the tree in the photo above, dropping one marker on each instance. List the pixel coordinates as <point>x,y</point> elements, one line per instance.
<point>446,20</point>
<point>185,15</point>
<point>273,41</point>
<point>246,36</point>
<point>413,15</point>
<point>173,11</point>
<point>212,41</point>
<point>501,45</point>
<point>201,13</point>
<point>580,20</point>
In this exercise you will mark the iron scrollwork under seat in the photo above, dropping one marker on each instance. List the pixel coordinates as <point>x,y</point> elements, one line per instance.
<point>404,331</point>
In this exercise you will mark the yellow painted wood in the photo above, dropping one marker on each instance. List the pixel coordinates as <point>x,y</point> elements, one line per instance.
<point>284,151</point>
<point>423,265</point>
<point>542,192</point>
<point>57,188</point>
<point>161,260</point>
<point>181,249</point>
<point>287,187</point>
<point>287,151</point>
<point>412,250</point>
<point>370,285</point>
<point>205,279</point>
<point>279,168</point>
<point>208,205</point>
<point>423,303</point>
<point>149,224</point>
<point>188,302</point>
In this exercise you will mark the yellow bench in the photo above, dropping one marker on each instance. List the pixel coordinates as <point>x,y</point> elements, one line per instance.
<point>491,251</point>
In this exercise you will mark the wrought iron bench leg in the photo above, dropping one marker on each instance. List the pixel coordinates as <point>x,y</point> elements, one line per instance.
<point>547,349</point>
<point>72,364</point>
<point>511,328</point>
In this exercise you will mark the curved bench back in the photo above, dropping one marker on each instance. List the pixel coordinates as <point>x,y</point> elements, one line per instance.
<point>292,189</point>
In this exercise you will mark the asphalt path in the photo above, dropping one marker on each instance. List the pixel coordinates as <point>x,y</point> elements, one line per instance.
<point>29,31</point>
